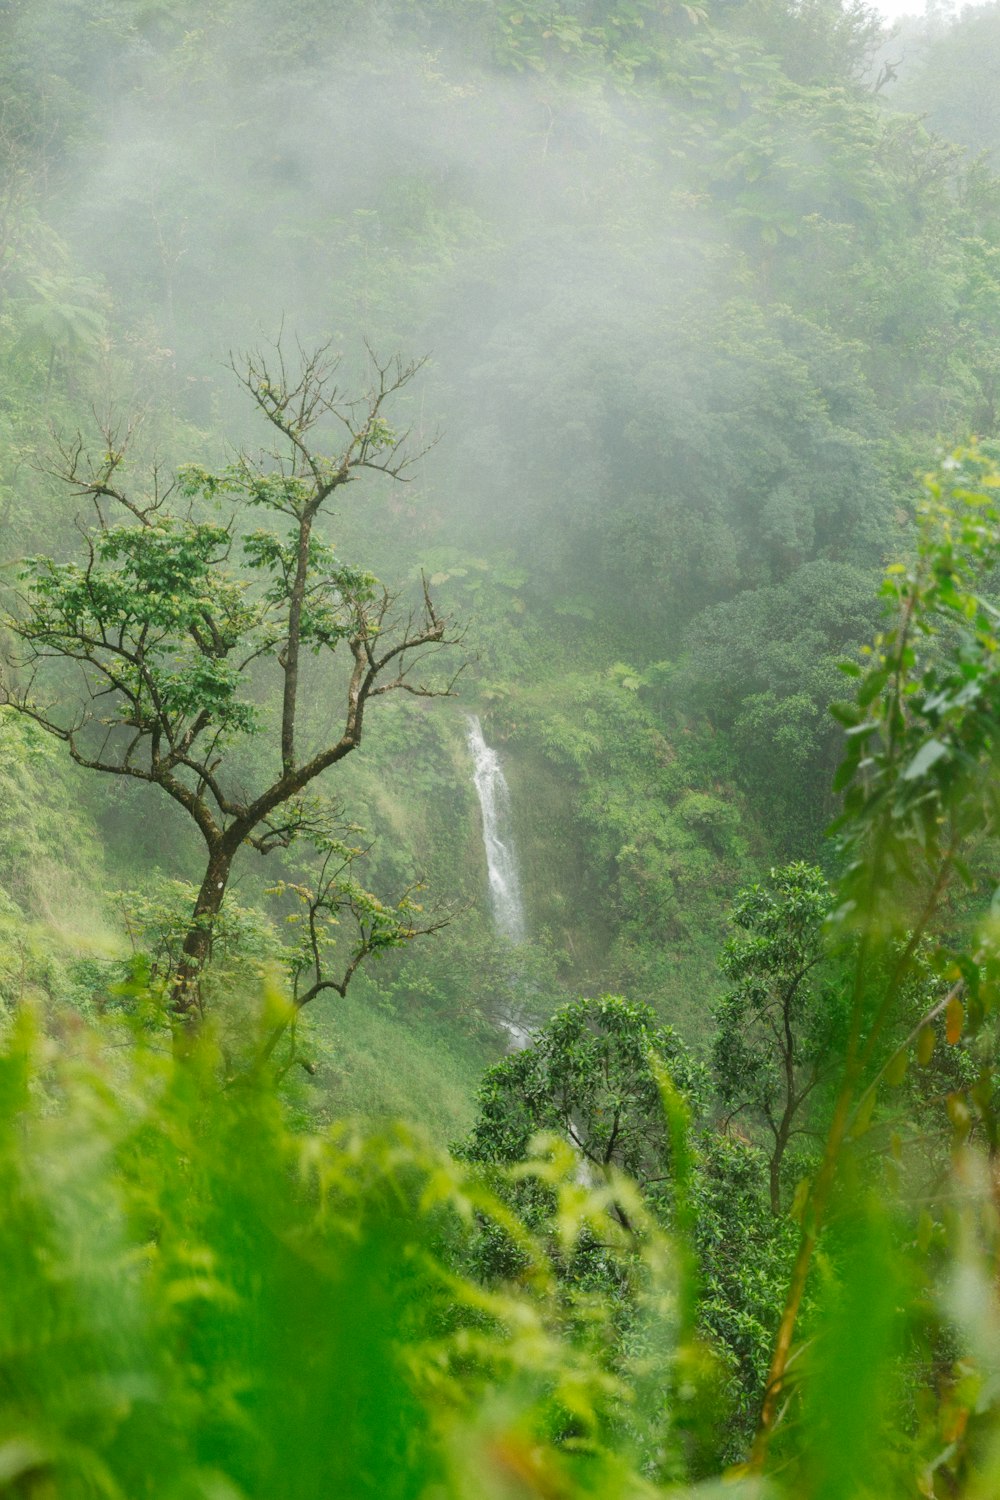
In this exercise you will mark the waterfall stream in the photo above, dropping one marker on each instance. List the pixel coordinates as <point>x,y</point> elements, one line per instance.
<point>505,885</point>
<point>501,860</point>
<point>501,863</point>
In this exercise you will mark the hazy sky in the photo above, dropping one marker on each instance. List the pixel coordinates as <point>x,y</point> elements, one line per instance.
<point>893,9</point>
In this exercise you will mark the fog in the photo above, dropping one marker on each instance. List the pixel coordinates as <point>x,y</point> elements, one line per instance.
<point>564,255</point>
<point>699,299</point>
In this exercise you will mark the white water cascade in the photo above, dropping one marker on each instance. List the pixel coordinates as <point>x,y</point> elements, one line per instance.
<point>501,865</point>
<point>501,862</point>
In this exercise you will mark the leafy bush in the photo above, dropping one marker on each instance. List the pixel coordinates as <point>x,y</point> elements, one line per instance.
<point>200,1302</point>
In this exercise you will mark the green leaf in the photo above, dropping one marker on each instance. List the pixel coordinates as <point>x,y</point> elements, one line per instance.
<point>845,773</point>
<point>896,1070</point>
<point>845,713</point>
<point>872,687</point>
<point>928,755</point>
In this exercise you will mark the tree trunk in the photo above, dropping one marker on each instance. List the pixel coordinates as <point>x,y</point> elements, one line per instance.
<point>775,1182</point>
<point>185,987</point>
<point>289,707</point>
<point>781,1139</point>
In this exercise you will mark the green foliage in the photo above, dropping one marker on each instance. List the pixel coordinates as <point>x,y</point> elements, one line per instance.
<point>588,1075</point>
<point>157,918</point>
<point>693,322</point>
<point>48,842</point>
<point>160,587</point>
<point>699,305</point>
<point>479,1323</point>
<point>920,730</point>
<point>763,670</point>
<point>173,1252</point>
<point>595,1075</point>
<point>410,1060</point>
<point>917,776</point>
<point>723,448</point>
<point>949,80</point>
<point>780,1024</point>
<point>654,808</point>
<point>615,1090</point>
<point>63,316</point>
<point>469,979</point>
<point>741,1292</point>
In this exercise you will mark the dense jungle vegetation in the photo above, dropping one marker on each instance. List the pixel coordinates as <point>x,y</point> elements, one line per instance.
<point>625,373</point>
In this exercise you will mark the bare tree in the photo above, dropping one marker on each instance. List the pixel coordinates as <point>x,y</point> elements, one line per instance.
<point>174,622</point>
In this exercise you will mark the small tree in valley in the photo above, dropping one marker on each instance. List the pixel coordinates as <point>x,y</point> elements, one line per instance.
<point>180,614</point>
<point>777,1021</point>
<point>589,1075</point>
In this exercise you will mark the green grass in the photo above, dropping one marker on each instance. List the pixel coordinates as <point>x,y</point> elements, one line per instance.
<point>381,1066</point>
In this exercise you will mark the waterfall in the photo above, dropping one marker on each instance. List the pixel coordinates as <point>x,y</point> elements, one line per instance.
<point>501,863</point>
<point>505,885</point>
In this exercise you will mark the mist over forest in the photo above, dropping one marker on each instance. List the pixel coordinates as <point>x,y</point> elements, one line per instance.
<point>499,706</point>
